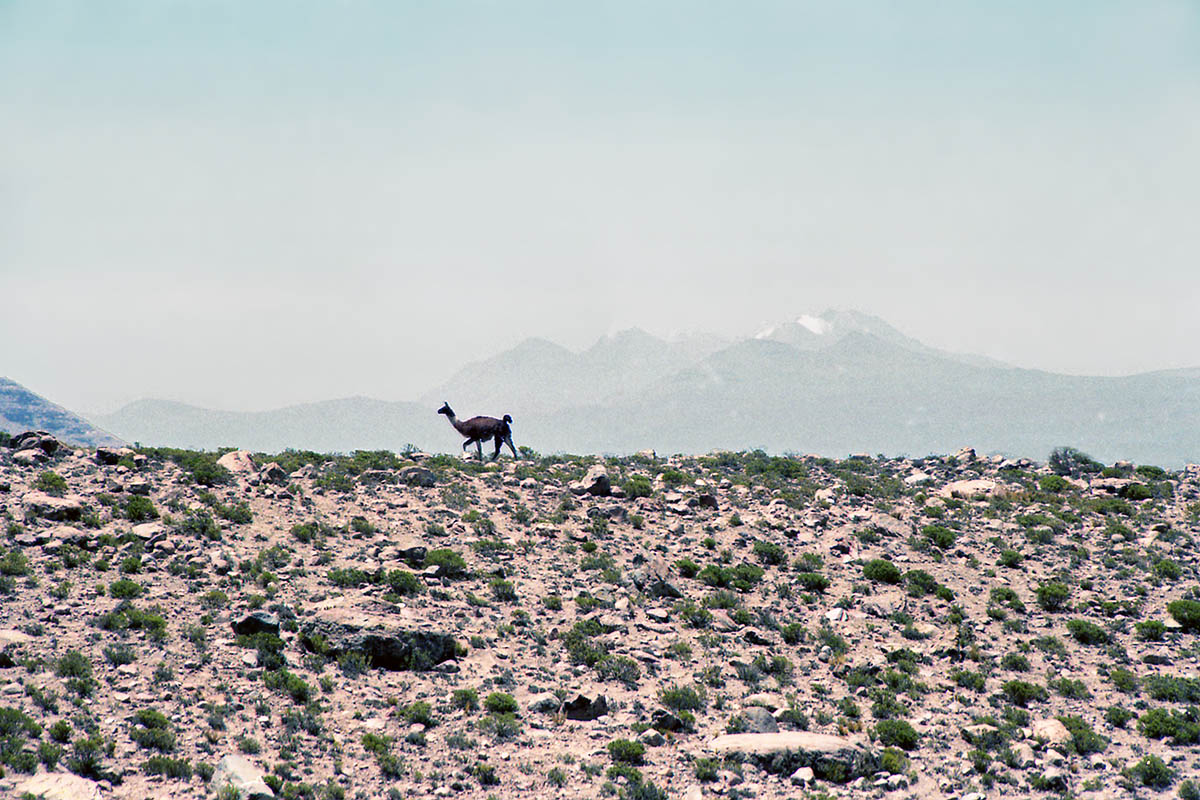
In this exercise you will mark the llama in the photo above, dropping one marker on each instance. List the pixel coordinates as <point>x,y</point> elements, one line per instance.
<point>477,429</point>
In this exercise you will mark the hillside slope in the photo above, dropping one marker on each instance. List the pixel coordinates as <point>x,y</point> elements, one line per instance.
<point>375,627</point>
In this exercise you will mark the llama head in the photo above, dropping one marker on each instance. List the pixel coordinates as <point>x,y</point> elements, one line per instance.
<point>445,409</point>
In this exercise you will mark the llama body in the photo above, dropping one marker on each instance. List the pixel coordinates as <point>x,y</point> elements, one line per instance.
<point>478,429</point>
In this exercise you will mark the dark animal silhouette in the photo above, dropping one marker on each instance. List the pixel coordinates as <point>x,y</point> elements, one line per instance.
<point>477,429</point>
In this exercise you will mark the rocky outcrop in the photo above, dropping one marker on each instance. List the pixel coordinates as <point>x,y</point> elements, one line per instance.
<point>386,643</point>
<point>417,476</point>
<point>256,622</point>
<point>832,758</point>
<point>35,440</point>
<point>585,708</point>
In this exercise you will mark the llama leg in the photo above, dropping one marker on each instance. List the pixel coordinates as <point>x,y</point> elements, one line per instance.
<point>508,441</point>
<point>479,448</point>
<point>498,440</point>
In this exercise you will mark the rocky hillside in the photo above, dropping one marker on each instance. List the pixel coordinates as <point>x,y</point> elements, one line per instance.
<point>174,625</point>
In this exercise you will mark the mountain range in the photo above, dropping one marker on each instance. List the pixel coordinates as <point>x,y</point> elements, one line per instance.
<point>833,383</point>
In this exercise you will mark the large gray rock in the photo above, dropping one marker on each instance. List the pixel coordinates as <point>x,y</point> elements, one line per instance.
<point>397,642</point>
<point>240,773</point>
<point>759,720</point>
<point>59,786</point>
<point>832,758</point>
<point>68,508</point>
<point>273,473</point>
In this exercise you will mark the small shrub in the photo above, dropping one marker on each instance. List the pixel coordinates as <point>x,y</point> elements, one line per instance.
<point>880,570</point>
<point>1086,632</point>
<point>500,703</point>
<point>1186,613</point>
<point>1053,595</point>
<point>624,751</point>
<point>896,733</point>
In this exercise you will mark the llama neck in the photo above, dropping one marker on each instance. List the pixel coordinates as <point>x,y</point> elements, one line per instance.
<point>454,421</point>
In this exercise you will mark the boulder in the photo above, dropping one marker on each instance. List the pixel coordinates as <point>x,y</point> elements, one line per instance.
<point>411,550</point>
<point>759,720</point>
<point>584,708</point>
<point>387,643</point>
<point>239,462</point>
<point>29,457</point>
<point>417,476</point>
<point>918,478</point>
<point>240,773</point>
<point>59,786</point>
<point>68,508</point>
<point>653,579</point>
<point>595,483</point>
<point>708,501</point>
<point>256,622</point>
<point>10,641</point>
<point>34,440</point>
<point>273,473</point>
<point>138,486</point>
<point>1051,731</point>
<point>111,456</point>
<point>971,489</point>
<point>832,758</point>
<point>545,703</point>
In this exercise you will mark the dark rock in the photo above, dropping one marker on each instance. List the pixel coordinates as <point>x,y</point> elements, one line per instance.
<point>44,506</point>
<point>595,483</point>
<point>585,708</point>
<point>708,501</point>
<point>256,622</point>
<point>387,644</point>
<point>111,456</point>
<point>273,473</point>
<point>664,720</point>
<point>41,440</point>
<point>411,550</point>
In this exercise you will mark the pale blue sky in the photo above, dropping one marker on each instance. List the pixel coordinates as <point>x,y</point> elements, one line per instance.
<point>247,204</point>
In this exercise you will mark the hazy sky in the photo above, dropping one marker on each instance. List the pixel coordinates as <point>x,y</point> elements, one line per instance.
<point>249,204</point>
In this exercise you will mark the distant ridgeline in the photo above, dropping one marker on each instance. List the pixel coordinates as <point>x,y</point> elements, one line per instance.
<point>23,410</point>
<point>833,384</point>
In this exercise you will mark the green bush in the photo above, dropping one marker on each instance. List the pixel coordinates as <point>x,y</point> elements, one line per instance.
<point>1186,613</point>
<point>1086,632</point>
<point>637,486</point>
<point>880,570</point>
<point>51,483</point>
<point>813,582</point>
<point>939,536</point>
<point>682,698</point>
<point>624,751</point>
<point>500,703</point>
<point>896,733</point>
<point>1053,595</point>
<point>125,589</point>
<point>140,509</point>
<point>1053,483</point>
<point>770,553</point>
<point>1152,630</point>
<point>1022,693</point>
<point>465,699</point>
<point>920,582</point>
<point>1153,772</point>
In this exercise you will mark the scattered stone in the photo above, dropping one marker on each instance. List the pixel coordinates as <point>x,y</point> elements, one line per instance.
<point>971,489</point>
<point>111,456</point>
<point>759,720</point>
<point>1051,731</point>
<point>273,473</point>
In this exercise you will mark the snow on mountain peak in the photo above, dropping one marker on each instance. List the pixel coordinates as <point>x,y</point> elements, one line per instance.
<point>815,324</point>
